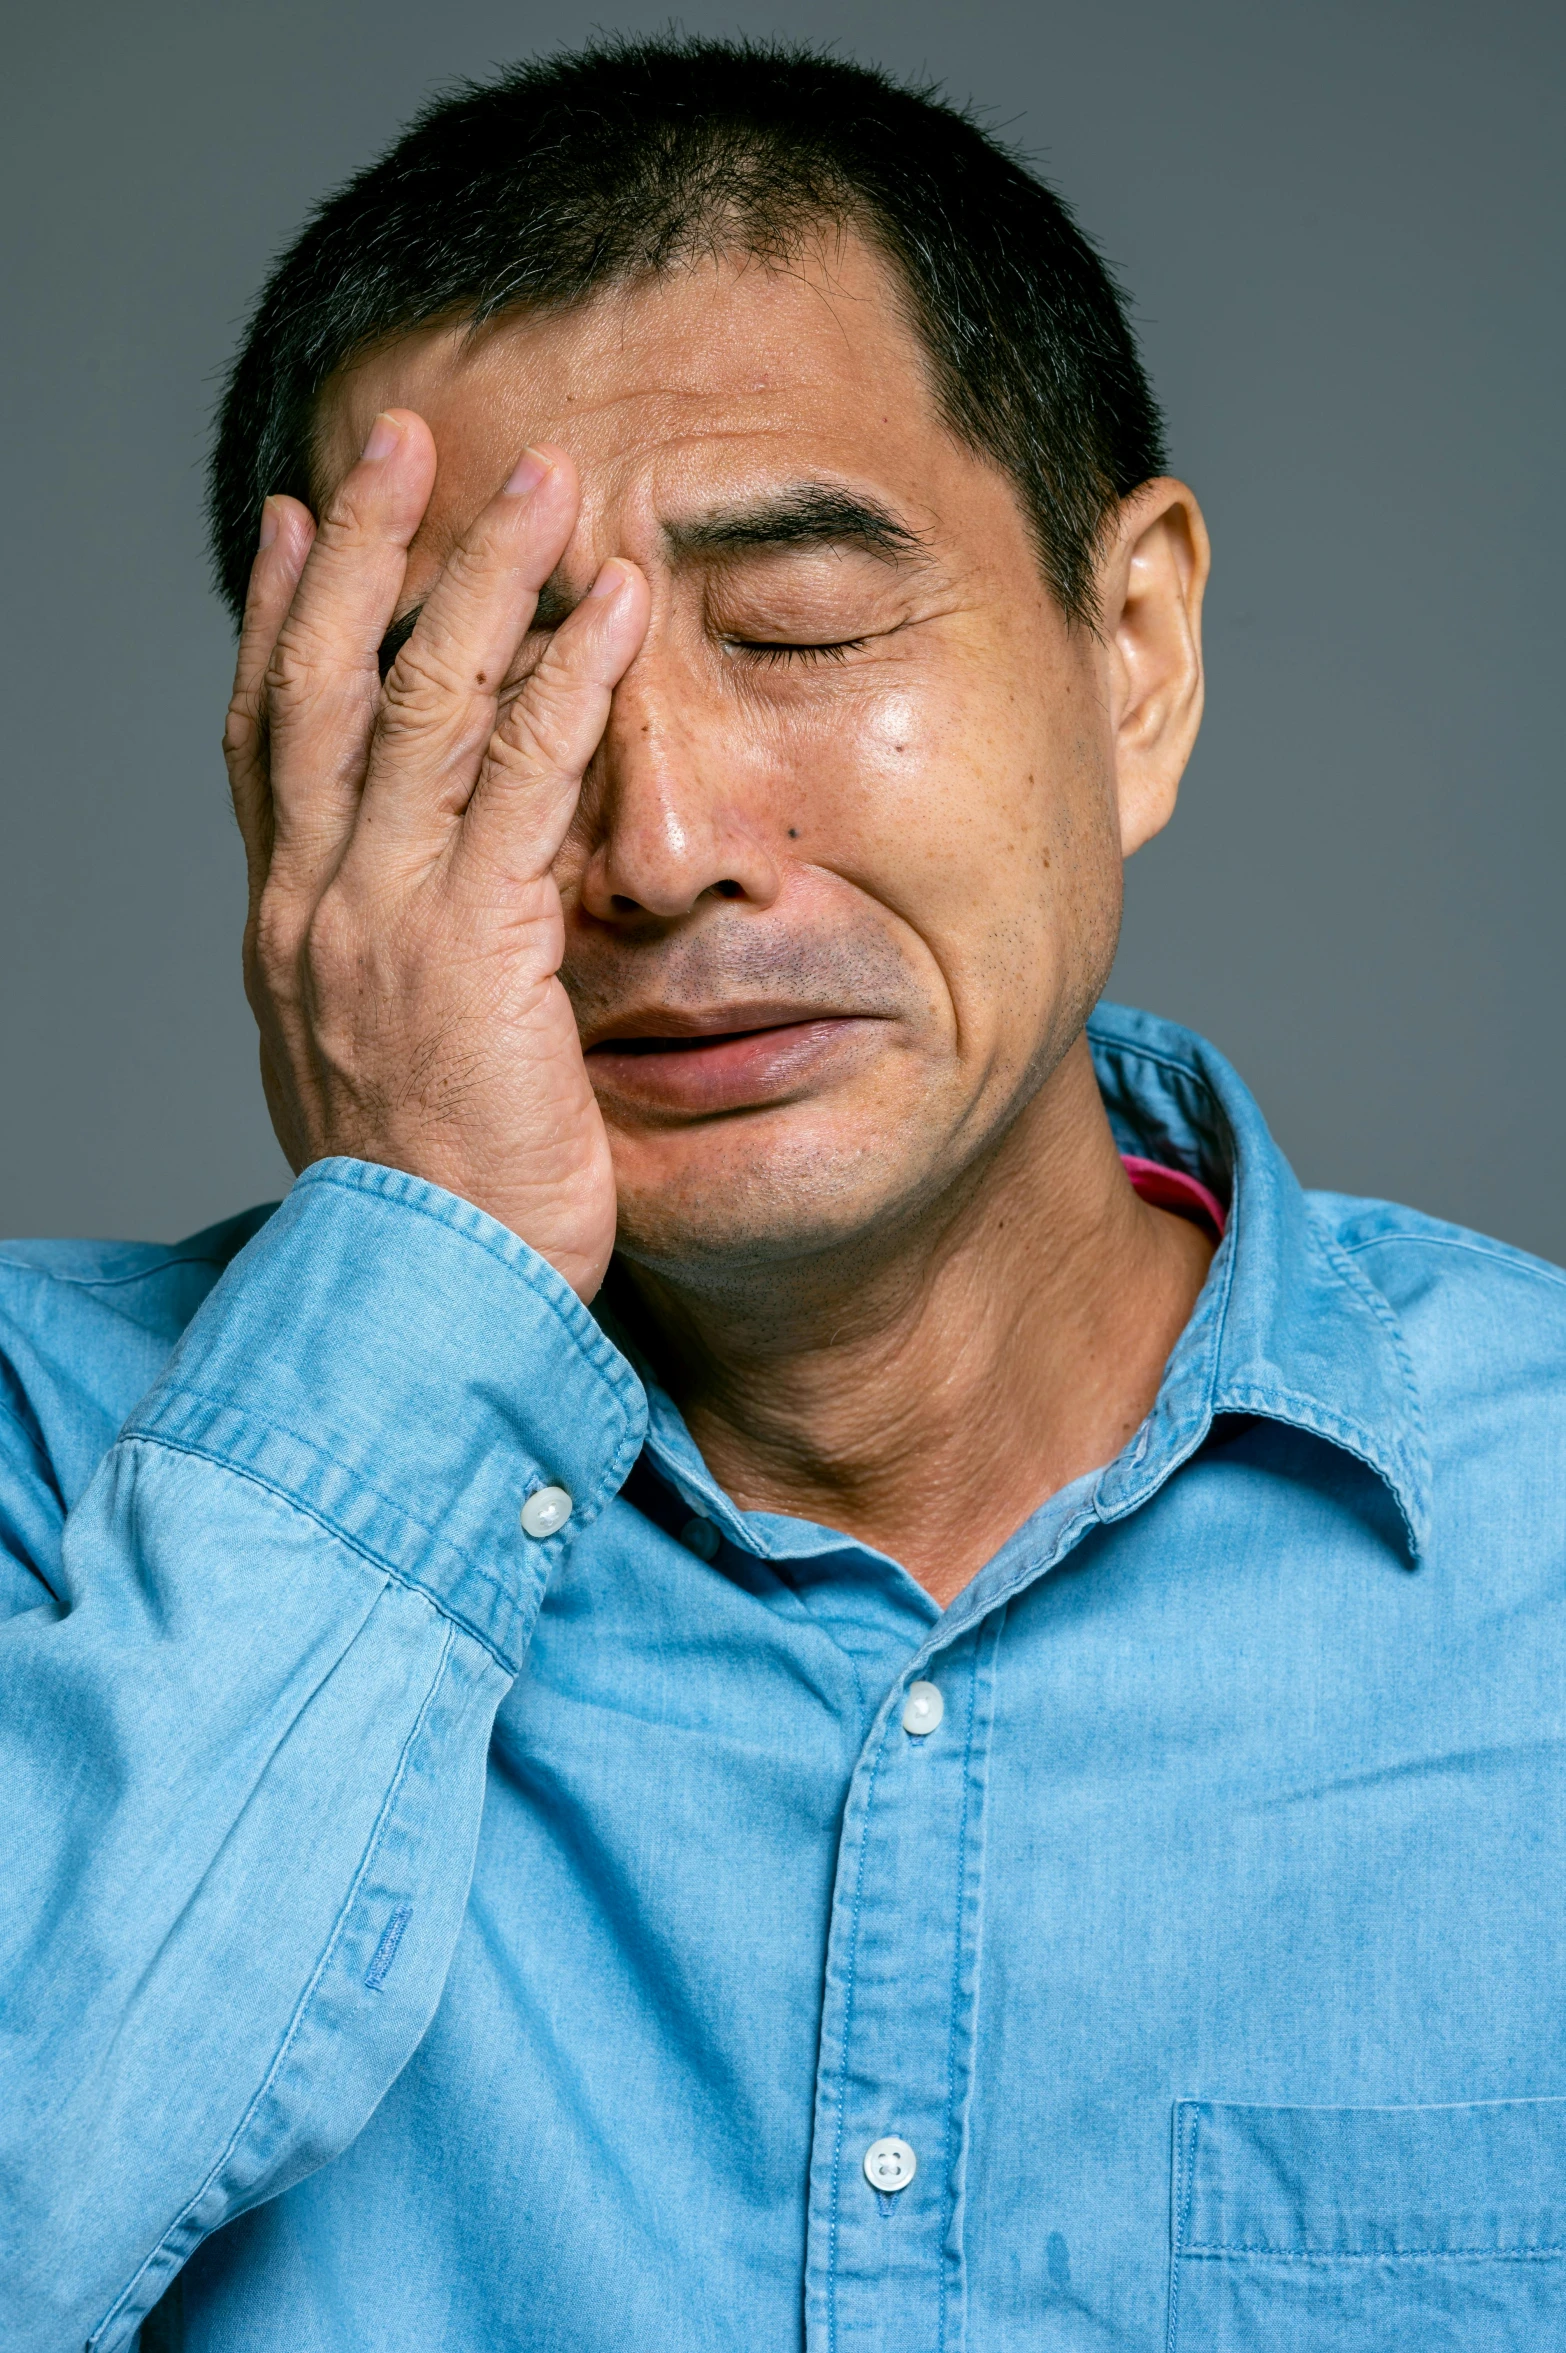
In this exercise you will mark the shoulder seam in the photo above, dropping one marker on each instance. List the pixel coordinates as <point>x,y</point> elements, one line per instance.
<point>1519,1261</point>
<point>141,1274</point>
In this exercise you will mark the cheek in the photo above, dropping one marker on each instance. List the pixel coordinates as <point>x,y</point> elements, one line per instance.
<point>941,804</point>
<point>984,821</point>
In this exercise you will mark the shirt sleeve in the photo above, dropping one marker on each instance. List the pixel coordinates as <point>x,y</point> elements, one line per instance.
<point>244,1726</point>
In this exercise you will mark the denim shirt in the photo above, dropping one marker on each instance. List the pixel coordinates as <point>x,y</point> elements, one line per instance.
<point>437,1938</point>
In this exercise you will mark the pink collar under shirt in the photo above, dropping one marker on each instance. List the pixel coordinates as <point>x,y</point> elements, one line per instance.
<point>1171,1188</point>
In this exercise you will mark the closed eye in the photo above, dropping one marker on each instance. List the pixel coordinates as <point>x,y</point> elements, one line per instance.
<point>771,652</point>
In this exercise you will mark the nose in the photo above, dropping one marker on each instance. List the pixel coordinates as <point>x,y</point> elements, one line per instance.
<point>677,806</point>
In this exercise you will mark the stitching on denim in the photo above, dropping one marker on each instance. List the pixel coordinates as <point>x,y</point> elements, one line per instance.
<point>135,1428</point>
<point>946,1631</point>
<point>148,1433</point>
<point>1381,1308</point>
<point>291,2031</point>
<point>1358,1284</point>
<point>848,2025</point>
<point>399,1576</point>
<point>140,1274</point>
<point>1184,1437</point>
<point>1205,2254</point>
<point>1104,1028</point>
<point>1323,1421</point>
<point>1115,1042</point>
<point>386,1951</point>
<point>1186,2125</point>
<point>1518,1262</point>
<point>1319,1421</point>
<point>957,1953</point>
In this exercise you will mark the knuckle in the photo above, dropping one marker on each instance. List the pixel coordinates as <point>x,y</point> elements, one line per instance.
<point>422,679</point>
<point>426,696</point>
<point>296,668</point>
<point>242,727</point>
<point>307,677</point>
<point>349,518</point>
<point>431,662</point>
<point>548,726</point>
<point>471,562</point>
<point>331,938</point>
<point>272,945</point>
<point>483,568</point>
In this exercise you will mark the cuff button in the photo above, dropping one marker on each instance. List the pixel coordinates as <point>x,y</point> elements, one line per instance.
<point>546,1509</point>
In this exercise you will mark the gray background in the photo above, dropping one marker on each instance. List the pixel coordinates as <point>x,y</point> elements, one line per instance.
<point>1342,229</point>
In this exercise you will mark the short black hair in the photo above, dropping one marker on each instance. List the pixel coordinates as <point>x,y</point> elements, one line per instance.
<point>633,157</point>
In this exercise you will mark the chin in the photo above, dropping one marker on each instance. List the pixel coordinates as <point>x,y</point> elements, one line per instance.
<point>733,1197</point>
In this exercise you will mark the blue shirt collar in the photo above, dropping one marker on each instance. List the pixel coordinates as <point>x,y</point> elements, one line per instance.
<point>1286,1328</point>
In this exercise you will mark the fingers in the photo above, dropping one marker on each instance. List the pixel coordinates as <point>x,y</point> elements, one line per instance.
<point>527,788</point>
<point>321,681</point>
<point>287,529</point>
<point>442,692</point>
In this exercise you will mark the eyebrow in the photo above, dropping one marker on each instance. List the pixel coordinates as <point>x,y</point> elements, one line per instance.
<point>810,514</point>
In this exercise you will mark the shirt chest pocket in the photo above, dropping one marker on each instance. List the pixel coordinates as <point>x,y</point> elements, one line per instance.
<point>1356,2230</point>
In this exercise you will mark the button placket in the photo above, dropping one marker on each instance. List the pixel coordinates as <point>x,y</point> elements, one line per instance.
<point>885,2264</point>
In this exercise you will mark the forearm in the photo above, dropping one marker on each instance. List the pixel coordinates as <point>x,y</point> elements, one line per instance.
<point>243,1757</point>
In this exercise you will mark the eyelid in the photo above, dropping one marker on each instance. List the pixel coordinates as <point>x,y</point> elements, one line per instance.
<point>772,651</point>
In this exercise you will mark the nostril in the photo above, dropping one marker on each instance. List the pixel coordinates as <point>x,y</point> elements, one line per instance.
<point>729,890</point>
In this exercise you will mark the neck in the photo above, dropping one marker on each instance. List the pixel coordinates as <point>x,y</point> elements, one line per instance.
<point>928,1398</point>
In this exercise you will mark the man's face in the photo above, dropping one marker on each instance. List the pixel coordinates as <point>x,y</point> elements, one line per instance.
<point>845,877</point>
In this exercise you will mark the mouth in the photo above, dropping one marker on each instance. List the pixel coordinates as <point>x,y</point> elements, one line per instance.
<point>742,1058</point>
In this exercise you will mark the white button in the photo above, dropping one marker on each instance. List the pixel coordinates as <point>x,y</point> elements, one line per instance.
<point>545,1510</point>
<point>890,2165</point>
<point>924,1710</point>
<point>700,1536</point>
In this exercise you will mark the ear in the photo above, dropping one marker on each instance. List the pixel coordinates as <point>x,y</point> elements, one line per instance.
<point>1150,585</point>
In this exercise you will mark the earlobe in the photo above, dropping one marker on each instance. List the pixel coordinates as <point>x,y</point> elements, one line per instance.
<point>1144,813</point>
<point>1152,581</point>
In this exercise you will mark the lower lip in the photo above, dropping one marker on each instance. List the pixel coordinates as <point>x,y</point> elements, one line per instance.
<point>694,1076</point>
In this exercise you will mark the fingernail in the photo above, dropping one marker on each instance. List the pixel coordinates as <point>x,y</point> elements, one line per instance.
<point>531,468</point>
<point>270,519</point>
<point>610,580</point>
<point>385,434</point>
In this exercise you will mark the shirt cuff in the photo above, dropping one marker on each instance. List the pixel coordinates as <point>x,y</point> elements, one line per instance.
<point>388,1359</point>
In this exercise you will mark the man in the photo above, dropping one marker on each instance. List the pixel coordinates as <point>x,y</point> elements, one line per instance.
<point>797,1656</point>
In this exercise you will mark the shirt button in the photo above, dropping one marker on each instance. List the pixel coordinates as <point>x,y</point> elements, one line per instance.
<point>890,2165</point>
<point>545,1510</point>
<point>700,1536</point>
<point>923,1712</point>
